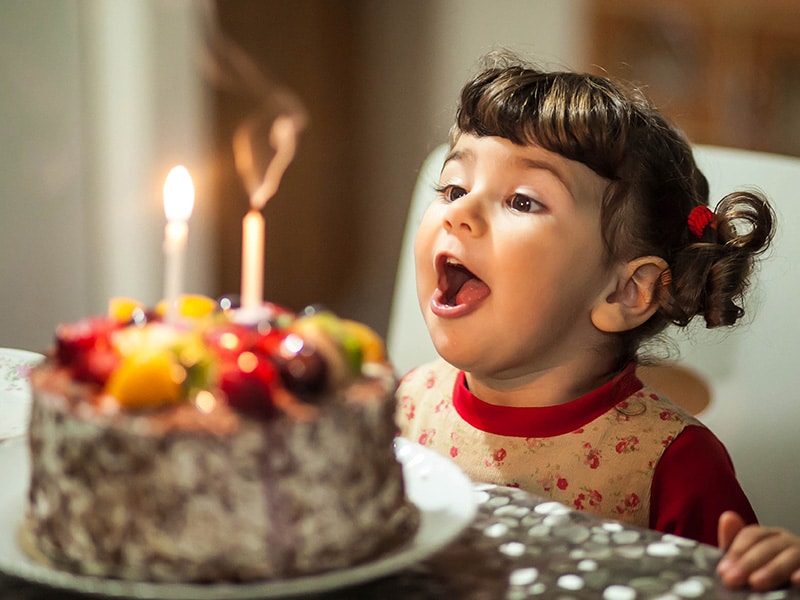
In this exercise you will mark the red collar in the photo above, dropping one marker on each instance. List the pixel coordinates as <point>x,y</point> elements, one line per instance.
<point>545,421</point>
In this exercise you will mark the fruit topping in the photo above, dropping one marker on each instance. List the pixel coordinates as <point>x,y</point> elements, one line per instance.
<point>302,368</point>
<point>339,349</point>
<point>190,306</point>
<point>231,339</point>
<point>85,347</point>
<point>372,346</point>
<point>146,379</point>
<point>247,382</point>
<point>124,310</point>
<point>277,360</point>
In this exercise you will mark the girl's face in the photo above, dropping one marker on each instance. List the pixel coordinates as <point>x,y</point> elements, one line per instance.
<point>510,260</point>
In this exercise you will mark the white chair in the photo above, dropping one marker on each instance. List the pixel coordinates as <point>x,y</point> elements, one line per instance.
<point>752,371</point>
<point>407,340</point>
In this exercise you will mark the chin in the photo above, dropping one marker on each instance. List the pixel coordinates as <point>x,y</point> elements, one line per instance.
<point>451,353</point>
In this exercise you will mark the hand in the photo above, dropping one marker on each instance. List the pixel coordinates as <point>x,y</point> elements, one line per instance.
<point>763,557</point>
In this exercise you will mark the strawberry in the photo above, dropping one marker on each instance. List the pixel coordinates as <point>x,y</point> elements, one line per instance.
<point>85,347</point>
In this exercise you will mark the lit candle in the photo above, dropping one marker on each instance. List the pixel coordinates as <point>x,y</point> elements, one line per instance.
<point>178,204</point>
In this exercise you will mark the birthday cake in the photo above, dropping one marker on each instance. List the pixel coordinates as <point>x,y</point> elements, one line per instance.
<point>207,449</point>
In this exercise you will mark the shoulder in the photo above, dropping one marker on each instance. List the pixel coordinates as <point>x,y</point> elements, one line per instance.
<point>694,483</point>
<point>651,416</point>
<point>665,408</point>
<point>699,444</point>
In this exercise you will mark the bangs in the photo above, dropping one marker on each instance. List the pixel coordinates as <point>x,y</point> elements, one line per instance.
<point>576,115</point>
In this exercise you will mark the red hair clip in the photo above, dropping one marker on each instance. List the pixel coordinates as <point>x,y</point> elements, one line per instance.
<point>700,218</point>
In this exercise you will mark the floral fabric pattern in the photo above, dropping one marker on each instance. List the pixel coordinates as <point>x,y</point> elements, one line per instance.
<point>604,467</point>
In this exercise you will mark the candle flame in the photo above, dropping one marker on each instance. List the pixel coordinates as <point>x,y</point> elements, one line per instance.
<point>178,194</point>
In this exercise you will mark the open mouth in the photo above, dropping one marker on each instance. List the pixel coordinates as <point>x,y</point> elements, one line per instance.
<point>458,286</point>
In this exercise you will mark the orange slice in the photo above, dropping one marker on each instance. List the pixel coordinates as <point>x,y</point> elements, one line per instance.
<point>147,379</point>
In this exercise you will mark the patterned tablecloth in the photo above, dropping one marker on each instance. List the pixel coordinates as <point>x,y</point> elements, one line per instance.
<point>520,546</point>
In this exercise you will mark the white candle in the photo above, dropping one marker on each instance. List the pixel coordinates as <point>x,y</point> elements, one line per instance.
<point>282,138</point>
<point>252,260</point>
<point>178,205</point>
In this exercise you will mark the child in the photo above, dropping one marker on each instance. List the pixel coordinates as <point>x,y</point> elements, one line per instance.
<point>571,226</point>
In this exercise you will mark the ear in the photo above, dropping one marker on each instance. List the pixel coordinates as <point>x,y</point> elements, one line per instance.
<point>627,302</point>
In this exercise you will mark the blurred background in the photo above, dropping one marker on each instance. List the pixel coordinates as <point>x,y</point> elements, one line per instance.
<point>100,98</point>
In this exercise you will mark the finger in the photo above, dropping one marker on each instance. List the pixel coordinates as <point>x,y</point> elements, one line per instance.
<point>754,540</point>
<point>732,576</point>
<point>751,549</point>
<point>782,568</point>
<point>730,524</point>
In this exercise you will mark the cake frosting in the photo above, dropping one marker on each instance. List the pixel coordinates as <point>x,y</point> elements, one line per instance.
<point>209,449</point>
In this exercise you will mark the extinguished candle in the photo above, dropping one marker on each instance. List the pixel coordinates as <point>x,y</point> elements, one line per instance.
<point>252,260</point>
<point>282,138</point>
<point>178,205</point>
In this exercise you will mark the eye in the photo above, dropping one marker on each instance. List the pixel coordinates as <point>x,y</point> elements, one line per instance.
<point>524,204</point>
<point>451,192</point>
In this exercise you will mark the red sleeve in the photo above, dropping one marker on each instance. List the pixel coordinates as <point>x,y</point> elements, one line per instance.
<point>693,484</point>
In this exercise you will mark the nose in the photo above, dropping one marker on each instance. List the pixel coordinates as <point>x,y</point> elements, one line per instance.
<point>465,216</point>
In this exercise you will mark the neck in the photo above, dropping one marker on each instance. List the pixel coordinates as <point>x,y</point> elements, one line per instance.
<point>549,386</point>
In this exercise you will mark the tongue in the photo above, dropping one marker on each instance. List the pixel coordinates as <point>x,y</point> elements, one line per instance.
<point>472,290</point>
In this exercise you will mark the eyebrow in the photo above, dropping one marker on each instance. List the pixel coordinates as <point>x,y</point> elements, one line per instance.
<point>532,163</point>
<point>528,163</point>
<point>457,155</point>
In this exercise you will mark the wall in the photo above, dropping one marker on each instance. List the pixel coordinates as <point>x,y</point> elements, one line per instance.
<point>42,256</point>
<point>99,99</point>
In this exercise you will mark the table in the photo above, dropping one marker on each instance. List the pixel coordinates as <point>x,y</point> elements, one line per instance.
<point>520,546</point>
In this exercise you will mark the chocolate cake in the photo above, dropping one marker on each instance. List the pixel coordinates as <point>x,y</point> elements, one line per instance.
<point>211,450</point>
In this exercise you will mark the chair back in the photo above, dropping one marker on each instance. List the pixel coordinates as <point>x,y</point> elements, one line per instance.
<point>407,341</point>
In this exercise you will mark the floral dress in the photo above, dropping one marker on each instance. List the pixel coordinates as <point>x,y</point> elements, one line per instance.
<point>597,453</point>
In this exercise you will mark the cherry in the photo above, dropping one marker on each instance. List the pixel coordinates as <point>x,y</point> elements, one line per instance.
<point>96,365</point>
<point>302,368</point>
<point>247,382</point>
<point>229,340</point>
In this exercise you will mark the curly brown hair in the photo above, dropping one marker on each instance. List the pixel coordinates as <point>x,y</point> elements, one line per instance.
<point>654,183</point>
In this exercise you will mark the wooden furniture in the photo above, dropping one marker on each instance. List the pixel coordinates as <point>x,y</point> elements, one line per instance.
<point>726,71</point>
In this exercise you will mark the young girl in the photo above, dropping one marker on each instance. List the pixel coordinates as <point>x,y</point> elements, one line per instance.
<point>571,226</point>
